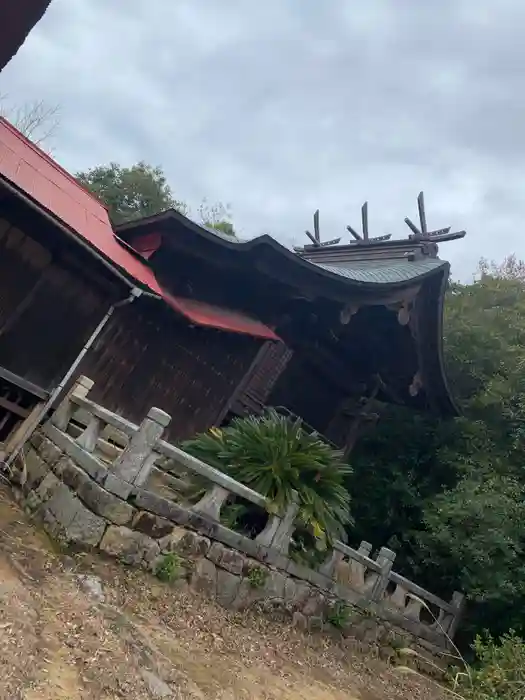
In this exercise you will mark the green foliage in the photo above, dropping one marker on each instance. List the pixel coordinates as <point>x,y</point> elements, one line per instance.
<point>276,456</point>
<point>257,577</point>
<point>340,615</point>
<point>130,193</point>
<point>170,568</point>
<point>499,670</point>
<point>448,496</point>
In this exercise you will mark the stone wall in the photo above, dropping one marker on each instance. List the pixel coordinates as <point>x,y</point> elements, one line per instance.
<point>90,493</point>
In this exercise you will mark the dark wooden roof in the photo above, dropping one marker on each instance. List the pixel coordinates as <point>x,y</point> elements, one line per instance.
<point>17,19</point>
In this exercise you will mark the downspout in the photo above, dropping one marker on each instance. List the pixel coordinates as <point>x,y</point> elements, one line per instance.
<point>38,418</point>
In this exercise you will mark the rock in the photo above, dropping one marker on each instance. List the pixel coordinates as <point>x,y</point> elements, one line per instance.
<point>204,578</point>
<point>129,546</point>
<point>227,587</point>
<point>226,558</point>
<point>91,585</point>
<point>156,686</point>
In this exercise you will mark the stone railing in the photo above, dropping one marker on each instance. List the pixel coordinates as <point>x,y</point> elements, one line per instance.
<point>89,477</point>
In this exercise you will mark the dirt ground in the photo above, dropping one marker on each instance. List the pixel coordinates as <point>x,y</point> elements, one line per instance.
<point>146,640</point>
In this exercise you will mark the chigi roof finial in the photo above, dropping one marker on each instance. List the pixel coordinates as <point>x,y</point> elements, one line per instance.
<point>423,234</point>
<point>316,237</point>
<point>365,238</point>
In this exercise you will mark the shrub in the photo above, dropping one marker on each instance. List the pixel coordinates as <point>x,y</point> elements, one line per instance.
<point>499,670</point>
<point>257,577</point>
<point>170,568</point>
<point>339,615</point>
<point>275,456</point>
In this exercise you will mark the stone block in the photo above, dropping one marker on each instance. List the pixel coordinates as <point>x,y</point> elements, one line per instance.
<point>71,474</point>
<point>105,504</point>
<point>117,486</point>
<point>152,525</point>
<point>146,500</point>
<point>299,621</point>
<point>315,624</point>
<point>296,593</point>
<point>226,558</point>
<point>48,485</point>
<point>86,529</point>
<point>64,505</point>
<point>275,585</point>
<point>170,543</point>
<point>32,501</point>
<point>204,578</point>
<point>129,546</point>
<point>36,440</point>
<point>36,468</point>
<point>185,542</point>
<point>315,605</point>
<point>227,587</point>
<point>49,452</point>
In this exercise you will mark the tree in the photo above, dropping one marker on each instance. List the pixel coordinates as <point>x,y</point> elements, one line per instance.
<point>217,216</point>
<point>38,121</point>
<point>142,190</point>
<point>130,193</point>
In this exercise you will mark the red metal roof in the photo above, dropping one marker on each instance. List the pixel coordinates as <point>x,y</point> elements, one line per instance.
<point>224,319</point>
<point>37,175</point>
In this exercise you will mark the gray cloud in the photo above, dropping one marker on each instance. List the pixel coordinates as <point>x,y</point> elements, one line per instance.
<point>288,105</point>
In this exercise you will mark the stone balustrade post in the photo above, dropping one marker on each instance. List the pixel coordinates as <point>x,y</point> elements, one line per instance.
<point>211,503</point>
<point>459,603</point>
<point>63,412</point>
<point>279,529</point>
<point>134,464</point>
<point>329,565</point>
<point>385,559</point>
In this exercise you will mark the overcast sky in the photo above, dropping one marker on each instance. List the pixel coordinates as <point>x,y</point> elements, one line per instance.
<point>279,107</point>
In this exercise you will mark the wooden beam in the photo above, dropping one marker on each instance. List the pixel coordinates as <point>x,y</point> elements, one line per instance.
<point>13,407</point>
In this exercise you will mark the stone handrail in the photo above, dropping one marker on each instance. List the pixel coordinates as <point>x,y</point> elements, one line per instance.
<point>120,456</point>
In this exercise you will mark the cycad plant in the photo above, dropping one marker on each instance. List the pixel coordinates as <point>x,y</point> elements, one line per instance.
<point>274,455</point>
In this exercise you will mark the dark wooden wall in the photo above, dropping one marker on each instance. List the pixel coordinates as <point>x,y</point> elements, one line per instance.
<point>147,356</point>
<point>48,308</point>
<point>304,391</point>
<point>260,380</point>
